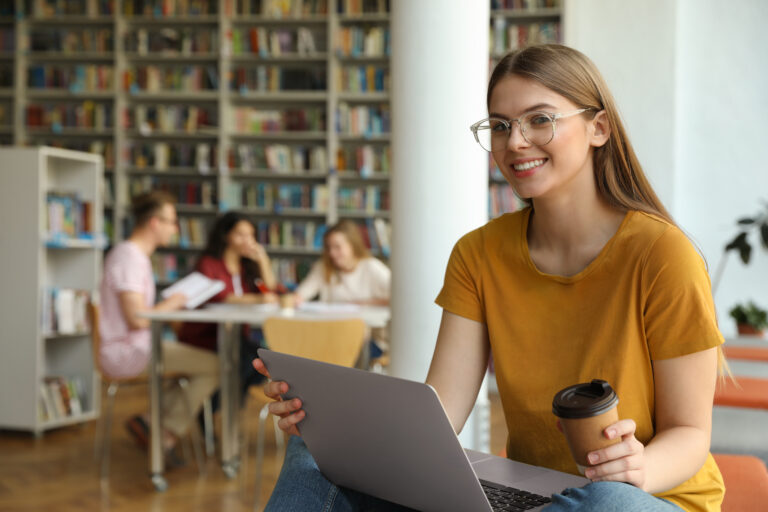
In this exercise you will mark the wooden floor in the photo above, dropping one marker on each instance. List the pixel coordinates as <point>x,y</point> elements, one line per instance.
<point>58,471</point>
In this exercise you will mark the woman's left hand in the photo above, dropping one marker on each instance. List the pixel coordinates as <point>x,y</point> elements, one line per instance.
<point>256,252</point>
<point>620,462</point>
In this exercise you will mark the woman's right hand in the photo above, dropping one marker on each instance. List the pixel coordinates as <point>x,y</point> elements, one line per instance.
<point>289,411</point>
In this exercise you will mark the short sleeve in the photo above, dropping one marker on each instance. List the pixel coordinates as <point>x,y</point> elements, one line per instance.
<point>461,287</point>
<point>381,278</point>
<point>124,272</point>
<point>678,309</point>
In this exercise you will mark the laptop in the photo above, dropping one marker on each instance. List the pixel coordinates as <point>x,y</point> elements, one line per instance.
<point>390,438</point>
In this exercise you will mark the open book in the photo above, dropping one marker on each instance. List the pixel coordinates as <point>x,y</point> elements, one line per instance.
<point>197,287</point>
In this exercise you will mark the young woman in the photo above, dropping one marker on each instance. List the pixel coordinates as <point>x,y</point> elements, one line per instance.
<point>233,256</point>
<point>591,280</point>
<point>346,272</point>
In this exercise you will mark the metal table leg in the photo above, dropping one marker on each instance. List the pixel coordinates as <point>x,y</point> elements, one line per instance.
<point>224,339</point>
<point>156,461</point>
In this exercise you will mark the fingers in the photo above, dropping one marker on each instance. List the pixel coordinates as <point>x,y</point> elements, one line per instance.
<point>620,429</point>
<point>258,364</point>
<point>288,424</point>
<point>621,462</point>
<point>625,448</point>
<point>284,408</point>
<point>275,389</point>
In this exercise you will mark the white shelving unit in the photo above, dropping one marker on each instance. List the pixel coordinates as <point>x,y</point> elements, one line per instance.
<point>32,262</point>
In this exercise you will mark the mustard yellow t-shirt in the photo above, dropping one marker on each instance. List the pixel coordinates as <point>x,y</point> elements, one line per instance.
<point>646,296</point>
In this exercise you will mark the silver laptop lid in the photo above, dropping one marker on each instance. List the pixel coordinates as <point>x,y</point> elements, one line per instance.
<point>380,435</point>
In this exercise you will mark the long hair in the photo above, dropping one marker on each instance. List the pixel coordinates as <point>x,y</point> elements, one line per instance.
<point>352,233</point>
<point>217,244</point>
<point>619,177</point>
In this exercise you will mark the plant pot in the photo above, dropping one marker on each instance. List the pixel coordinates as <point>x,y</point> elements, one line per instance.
<point>748,330</point>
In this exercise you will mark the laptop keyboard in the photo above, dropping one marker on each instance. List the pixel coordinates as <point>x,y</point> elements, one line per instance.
<point>508,498</point>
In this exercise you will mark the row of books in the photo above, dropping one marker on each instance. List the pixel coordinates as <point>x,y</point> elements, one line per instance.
<point>76,78</point>
<point>290,234</point>
<point>514,36</point>
<point>65,311</point>
<point>7,7</point>
<point>162,155</point>
<point>69,40</point>
<point>278,78</point>
<point>366,120</point>
<point>501,199</point>
<point>363,41</point>
<point>376,235</point>
<point>170,118</point>
<point>366,159</point>
<point>108,190</point>
<point>158,8</point>
<point>169,266</point>
<point>363,78</point>
<point>172,77</point>
<point>199,193</point>
<point>193,232</point>
<point>266,42</point>
<point>61,397</point>
<point>255,120</point>
<point>171,41</point>
<point>281,8</point>
<point>7,40</point>
<point>54,116</point>
<point>368,198</point>
<point>362,6</point>
<point>51,8</point>
<point>277,196</point>
<point>68,215</point>
<point>524,4</point>
<point>278,158</point>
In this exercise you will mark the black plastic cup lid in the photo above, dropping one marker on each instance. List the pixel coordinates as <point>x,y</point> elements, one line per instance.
<point>584,400</point>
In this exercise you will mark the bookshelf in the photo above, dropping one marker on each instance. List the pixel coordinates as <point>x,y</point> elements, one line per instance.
<point>515,24</point>
<point>210,100</point>
<point>53,257</point>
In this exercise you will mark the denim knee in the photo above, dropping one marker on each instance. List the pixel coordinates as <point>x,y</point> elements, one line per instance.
<point>609,497</point>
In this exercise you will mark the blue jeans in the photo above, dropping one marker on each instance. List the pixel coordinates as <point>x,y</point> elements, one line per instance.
<point>301,486</point>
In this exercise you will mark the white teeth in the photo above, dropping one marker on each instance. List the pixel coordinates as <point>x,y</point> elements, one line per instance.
<point>528,165</point>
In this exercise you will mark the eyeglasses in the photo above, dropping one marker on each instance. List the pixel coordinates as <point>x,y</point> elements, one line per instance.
<point>538,128</point>
<point>175,221</point>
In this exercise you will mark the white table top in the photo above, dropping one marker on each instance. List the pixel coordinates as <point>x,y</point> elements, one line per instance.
<point>373,316</point>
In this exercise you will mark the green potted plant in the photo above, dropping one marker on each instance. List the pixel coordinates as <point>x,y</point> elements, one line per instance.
<point>751,320</point>
<point>741,243</point>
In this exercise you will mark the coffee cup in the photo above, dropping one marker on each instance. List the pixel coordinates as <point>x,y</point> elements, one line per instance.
<point>287,301</point>
<point>585,410</point>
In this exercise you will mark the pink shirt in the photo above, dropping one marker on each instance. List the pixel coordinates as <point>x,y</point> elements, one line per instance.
<point>124,353</point>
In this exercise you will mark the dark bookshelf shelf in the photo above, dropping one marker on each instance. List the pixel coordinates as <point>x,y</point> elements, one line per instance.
<point>59,336</point>
<point>181,248</point>
<point>204,134</point>
<point>363,97</point>
<point>300,212</point>
<point>372,17</point>
<point>356,59</point>
<point>364,138</point>
<point>6,130</point>
<point>265,174</point>
<point>66,93</point>
<point>7,55</point>
<point>254,58</point>
<point>181,172</point>
<point>173,57</point>
<point>69,132</point>
<point>239,20</point>
<point>293,251</point>
<point>553,13</point>
<point>204,95</point>
<point>6,92</point>
<point>280,96</point>
<point>378,177</point>
<point>7,19</point>
<point>207,19</point>
<point>292,136</point>
<point>363,214</point>
<point>69,56</point>
<point>72,20</point>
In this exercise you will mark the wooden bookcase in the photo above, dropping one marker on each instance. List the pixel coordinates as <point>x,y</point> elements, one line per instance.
<point>35,260</point>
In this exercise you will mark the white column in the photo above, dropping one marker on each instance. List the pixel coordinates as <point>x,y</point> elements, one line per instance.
<point>439,185</point>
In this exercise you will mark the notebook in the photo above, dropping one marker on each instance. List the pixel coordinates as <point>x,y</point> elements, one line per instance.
<point>391,438</point>
<point>197,287</point>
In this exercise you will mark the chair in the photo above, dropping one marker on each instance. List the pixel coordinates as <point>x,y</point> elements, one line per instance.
<point>746,482</point>
<point>102,445</point>
<point>331,341</point>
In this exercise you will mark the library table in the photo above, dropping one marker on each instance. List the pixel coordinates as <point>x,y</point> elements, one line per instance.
<point>230,318</point>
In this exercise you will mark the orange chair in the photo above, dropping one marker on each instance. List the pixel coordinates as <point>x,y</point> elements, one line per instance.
<point>747,392</point>
<point>747,353</point>
<point>746,483</point>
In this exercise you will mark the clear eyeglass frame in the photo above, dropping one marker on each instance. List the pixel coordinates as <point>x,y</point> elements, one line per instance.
<point>524,122</point>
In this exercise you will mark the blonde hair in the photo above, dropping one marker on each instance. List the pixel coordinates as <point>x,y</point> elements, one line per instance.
<point>351,232</point>
<point>619,177</point>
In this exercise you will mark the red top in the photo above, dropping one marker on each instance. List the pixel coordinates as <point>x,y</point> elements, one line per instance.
<point>204,335</point>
